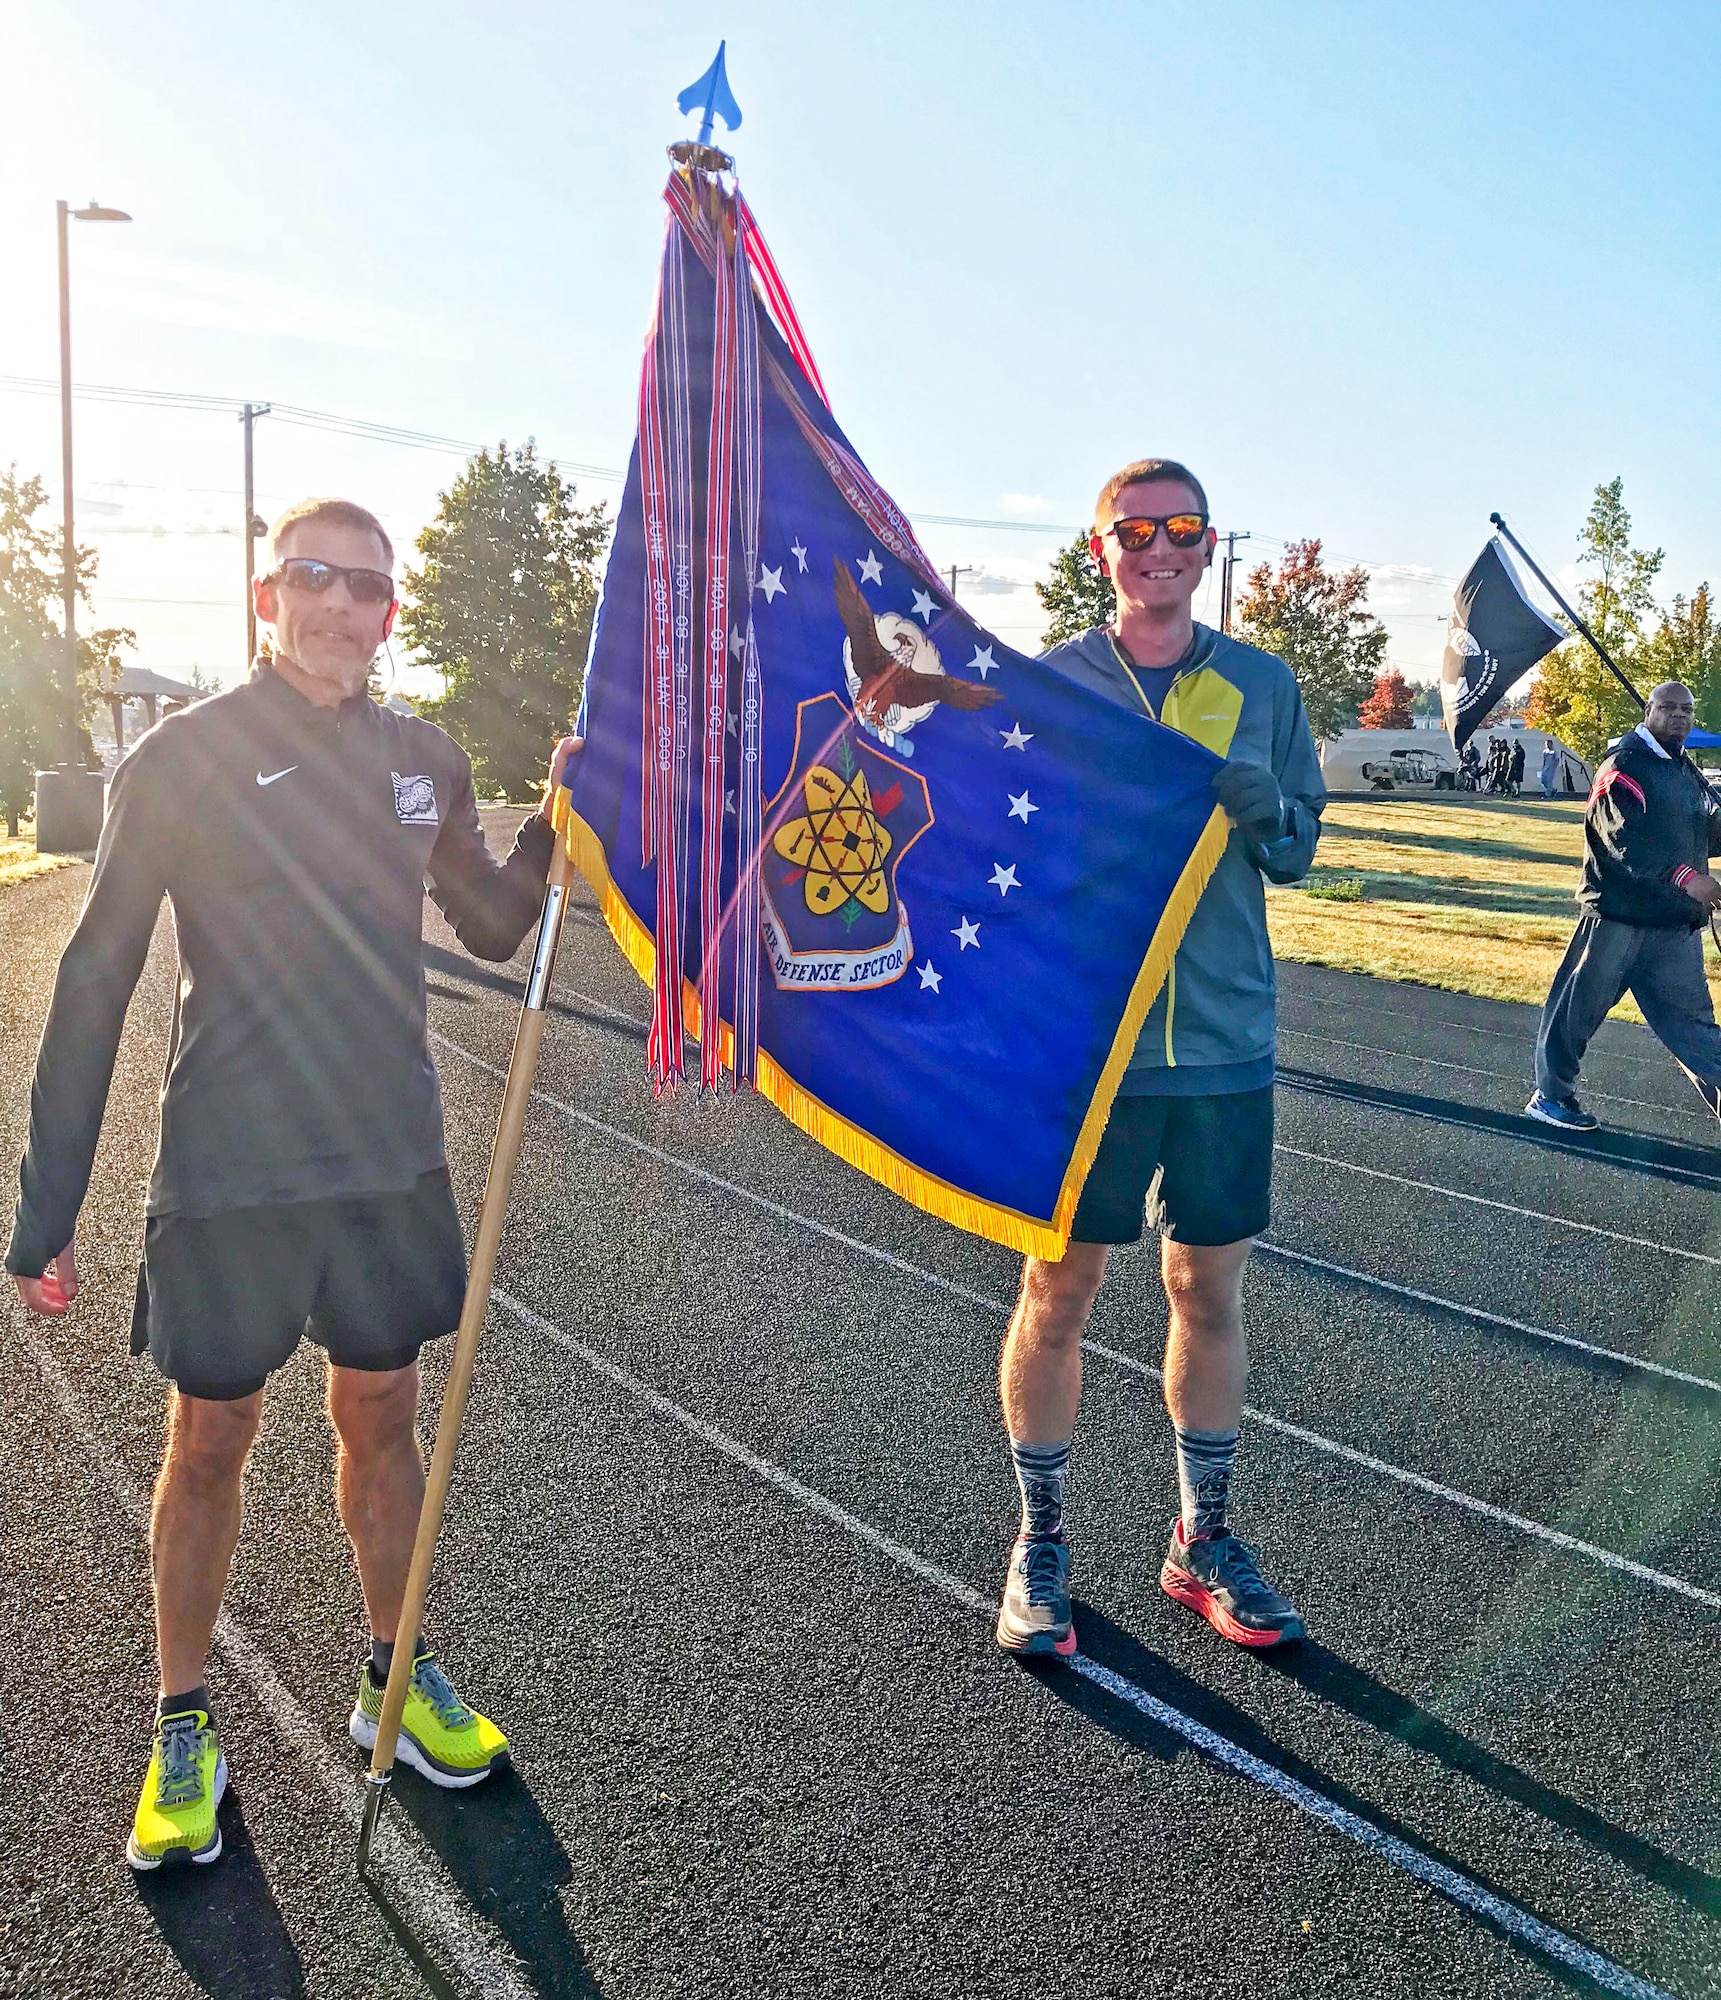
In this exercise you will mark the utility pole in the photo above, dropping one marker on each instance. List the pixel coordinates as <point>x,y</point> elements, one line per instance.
<point>1226,568</point>
<point>253,528</point>
<point>967,569</point>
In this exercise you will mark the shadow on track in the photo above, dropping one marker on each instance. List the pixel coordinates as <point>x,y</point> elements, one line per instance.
<point>1631,1152</point>
<point>1126,1656</point>
<point>222,1922</point>
<point>469,975</point>
<point>496,1843</point>
<point>1333,1680</point>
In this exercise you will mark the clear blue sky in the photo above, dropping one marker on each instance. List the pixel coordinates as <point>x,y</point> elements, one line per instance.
<point>1372,270</point>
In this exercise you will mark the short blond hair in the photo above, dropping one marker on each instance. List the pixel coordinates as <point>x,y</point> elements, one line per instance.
<point>1138,474</point>
<point>339,513</point>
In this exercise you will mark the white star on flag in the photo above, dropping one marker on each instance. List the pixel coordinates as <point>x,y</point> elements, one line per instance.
<point>1020,807</point>
<point>924,606</point>
<point>771,583</point>
<point>930,978</point>
<point>983,660</point>
<point>872,570</point>
<point>1003,879</point>
<point>800,556</point>
<point>967,933</point>
<point>737,645</point>
<point>1014,738</point>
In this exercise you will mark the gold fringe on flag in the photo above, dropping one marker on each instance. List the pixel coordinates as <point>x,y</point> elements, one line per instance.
<point>1032,1236</point>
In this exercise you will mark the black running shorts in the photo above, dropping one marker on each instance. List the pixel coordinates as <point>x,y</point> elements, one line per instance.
<point>1200,1169</point>
<point>224,1300</point>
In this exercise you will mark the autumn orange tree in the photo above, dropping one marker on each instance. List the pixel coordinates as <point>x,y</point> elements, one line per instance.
<point>1314,619</point>
<point>1389,706</point>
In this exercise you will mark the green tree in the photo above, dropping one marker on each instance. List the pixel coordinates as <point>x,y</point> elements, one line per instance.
<point>29,642</point>
<point>1077,595</point>
<point>1425,700</point>
<point>501,605</point>
<point>1313,618</point>
<point>1576,698</point>
<point>1686,646</point>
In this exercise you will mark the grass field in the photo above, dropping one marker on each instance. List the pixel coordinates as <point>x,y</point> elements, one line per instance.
<point>1474,895</point>
<point>19,859</point>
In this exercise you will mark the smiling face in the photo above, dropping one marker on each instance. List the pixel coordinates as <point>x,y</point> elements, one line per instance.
<point>327,636</point>
<point>1160,577</point>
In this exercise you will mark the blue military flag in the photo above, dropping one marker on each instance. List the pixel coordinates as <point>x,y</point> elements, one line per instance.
<point>919,889</point>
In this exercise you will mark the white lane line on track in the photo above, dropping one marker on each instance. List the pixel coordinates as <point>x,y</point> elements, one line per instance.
<point>1400,1854</point>
<point>1556,1536</point>
<point>1475,1312</point>
<point>1431,1187</point>
<point>417,1881</point>
<point>1468,1501</point>
<point>1468,1069</point>
<point>1506,1207</point>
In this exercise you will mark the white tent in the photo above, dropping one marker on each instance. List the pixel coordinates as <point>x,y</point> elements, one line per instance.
<point>1423,760</point>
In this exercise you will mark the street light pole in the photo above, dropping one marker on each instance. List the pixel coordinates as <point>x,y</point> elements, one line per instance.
<point>73,820</point>
<point>253,528</point>
<point>68,703</point>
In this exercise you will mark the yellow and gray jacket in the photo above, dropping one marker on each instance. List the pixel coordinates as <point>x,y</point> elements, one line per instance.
<point>1211,1031</point>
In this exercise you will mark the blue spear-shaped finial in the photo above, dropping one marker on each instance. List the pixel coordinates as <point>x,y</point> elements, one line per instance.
<point>712,98</point>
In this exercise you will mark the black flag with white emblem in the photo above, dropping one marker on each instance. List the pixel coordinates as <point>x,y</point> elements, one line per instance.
<point>1496,636</point>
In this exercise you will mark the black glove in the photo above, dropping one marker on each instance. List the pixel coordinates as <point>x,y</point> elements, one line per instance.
<point>1252,801</point>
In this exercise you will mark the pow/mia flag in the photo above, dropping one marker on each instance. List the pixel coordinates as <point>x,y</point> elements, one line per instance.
<point>1496,636</point>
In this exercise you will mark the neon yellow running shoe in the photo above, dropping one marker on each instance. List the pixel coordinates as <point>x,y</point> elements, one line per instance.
<point>440,1737</point>
<point>187,1774</point>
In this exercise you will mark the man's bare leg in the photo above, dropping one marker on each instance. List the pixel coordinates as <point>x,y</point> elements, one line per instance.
<point>379,1481</point>
<point>194,1527</point>
<point>1206,1356</point>
<point>1040,1385</point>
<point>1040,1370</point>
<point>1206,1360</point>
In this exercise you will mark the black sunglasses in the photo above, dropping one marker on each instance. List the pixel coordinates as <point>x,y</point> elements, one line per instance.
<point>366,586</point>
<point>1137,531</point>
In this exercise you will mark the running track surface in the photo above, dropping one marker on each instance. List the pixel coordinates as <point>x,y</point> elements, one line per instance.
<point>732,1509</point>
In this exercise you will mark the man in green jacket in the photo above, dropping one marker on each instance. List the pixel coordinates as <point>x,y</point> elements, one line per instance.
<point>1189,1144</point>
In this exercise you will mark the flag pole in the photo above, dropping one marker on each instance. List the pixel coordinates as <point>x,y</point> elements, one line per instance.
<point>1601,651</point>
<point>504,1152</point>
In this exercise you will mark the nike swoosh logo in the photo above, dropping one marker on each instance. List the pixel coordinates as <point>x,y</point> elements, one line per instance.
<point>273,775</point>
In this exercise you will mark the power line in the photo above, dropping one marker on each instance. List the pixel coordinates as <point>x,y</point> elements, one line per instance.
<point>414,440</point>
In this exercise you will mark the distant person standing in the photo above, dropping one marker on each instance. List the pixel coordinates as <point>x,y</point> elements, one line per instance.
<point>1516,773</point>
<point>1646,890</point>
<point>1550,768</point>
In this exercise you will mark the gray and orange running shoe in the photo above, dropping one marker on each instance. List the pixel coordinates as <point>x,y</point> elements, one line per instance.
<point>1218,1577</point>
<point>1035,1616</point>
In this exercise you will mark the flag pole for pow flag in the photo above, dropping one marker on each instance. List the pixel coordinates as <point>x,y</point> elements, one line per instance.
<point>492,1213</point>
<point>1600,650</point>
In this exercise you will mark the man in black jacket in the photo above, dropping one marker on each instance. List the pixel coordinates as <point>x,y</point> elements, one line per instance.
<point>1646,890</point>
<point>300,1186</point>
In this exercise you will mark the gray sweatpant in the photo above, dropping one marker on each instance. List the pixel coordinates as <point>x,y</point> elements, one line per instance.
<point>1663,972</point>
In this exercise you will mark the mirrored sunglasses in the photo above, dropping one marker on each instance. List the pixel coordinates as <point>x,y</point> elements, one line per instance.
<point>366,586</point>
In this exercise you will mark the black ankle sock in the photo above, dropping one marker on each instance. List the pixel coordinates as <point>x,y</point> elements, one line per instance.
<point>179,1704</point>
<point>382,1655</point>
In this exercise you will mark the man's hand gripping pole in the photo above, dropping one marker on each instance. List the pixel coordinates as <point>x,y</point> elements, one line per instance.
<point>516,1098</point>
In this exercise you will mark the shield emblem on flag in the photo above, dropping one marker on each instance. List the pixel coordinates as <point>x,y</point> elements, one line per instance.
<point>836,833</point>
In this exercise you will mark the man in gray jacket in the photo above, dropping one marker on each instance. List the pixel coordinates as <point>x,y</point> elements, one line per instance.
<point>1190,1140</point>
